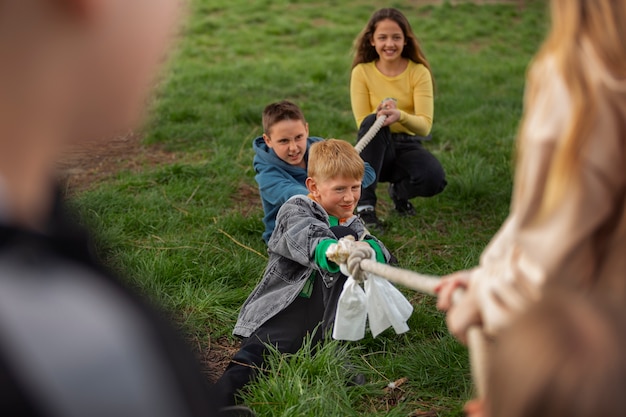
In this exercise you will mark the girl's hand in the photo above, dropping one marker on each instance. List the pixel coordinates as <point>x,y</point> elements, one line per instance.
<point>393,115</point>
<point>389,104</point>
<point>463,315</point>
<point>388,108</point>
<point>448,285</point>
<point>465,312</point>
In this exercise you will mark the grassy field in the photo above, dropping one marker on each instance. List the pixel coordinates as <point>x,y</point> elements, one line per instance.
<point>188,235</point>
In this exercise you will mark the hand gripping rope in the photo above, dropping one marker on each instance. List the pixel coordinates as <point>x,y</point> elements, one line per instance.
<point>373,130</point>
<point>425,284</point>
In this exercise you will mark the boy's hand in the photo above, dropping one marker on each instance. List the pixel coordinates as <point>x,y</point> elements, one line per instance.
<point>360,251</point>
<point>343,231</point>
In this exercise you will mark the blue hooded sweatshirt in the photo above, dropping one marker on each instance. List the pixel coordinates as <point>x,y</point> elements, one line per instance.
<point>279,181</point>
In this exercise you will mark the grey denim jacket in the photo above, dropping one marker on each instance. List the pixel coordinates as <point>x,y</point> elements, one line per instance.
<point>301,224</point>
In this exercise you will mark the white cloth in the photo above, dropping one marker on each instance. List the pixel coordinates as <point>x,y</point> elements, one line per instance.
<point>351,312</point>
<point>381,302</point>
<point>386,306</point>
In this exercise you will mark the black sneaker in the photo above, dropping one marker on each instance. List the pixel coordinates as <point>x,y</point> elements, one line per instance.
<point>357,380</point>
<point>236,411</point>
<point>403,207</point>
<point>369,218</point>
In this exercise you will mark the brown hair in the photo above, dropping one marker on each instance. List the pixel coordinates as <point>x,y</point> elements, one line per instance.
<point>563,357</point>
<point>277,112</point>
<point>365,52</point>
<point>334,158</point>
<point>578,25</point>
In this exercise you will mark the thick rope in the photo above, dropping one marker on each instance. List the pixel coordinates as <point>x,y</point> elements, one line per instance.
<point>426,284</point>
<point>476,341</point>
<point>419,282</point>
<point>373,130</point>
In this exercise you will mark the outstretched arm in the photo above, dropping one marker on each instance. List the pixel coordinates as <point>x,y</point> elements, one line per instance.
<point>534,249</point>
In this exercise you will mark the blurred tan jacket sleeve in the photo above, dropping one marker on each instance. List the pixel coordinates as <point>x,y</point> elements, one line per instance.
<point>583,240</point>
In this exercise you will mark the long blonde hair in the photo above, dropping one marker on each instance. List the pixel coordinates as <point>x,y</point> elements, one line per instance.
<point>575,23</point>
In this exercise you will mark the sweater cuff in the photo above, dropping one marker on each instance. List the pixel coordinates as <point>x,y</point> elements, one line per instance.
<point>380,255</point>
<point>320,256</point>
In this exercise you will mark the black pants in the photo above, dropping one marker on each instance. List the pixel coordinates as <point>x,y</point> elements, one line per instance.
<point>286,331</point>
<point>403,161</point>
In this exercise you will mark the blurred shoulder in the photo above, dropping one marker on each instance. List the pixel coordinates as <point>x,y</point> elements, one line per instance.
<point>547,102</point>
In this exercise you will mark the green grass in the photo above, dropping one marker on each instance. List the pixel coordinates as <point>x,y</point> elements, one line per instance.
<point>168,228</point>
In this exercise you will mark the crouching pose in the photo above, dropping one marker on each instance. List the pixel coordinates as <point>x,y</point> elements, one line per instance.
<point>298,294</point>
<point>389,63</point>
<point>280,159</point>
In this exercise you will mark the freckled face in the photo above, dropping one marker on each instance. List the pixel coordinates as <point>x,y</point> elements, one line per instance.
<point>388,40</point>
<point>338,196</point>
<point>288,139</point>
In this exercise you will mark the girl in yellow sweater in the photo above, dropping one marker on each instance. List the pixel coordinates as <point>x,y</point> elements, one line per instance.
<point>391,77</point>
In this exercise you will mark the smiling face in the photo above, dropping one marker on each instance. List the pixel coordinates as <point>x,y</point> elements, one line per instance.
<point>388,40</point>
<point>338,196</point>
<point>288,139</point>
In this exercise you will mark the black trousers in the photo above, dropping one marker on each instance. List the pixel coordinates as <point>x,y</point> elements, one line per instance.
<point>286,331</point>
<point>403,161</point>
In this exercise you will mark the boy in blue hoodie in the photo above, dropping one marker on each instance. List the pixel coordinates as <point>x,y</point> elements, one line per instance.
<point>281,157</point>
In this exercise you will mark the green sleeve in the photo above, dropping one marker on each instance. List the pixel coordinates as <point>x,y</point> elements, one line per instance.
<point>320,256</point>
<point>380,256</point>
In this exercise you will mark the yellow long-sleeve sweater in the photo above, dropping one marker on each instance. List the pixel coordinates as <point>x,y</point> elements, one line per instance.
<point>413,89</point>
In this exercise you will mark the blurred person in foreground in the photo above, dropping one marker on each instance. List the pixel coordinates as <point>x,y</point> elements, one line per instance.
<point>73,340</point>
<point>567,224</point>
